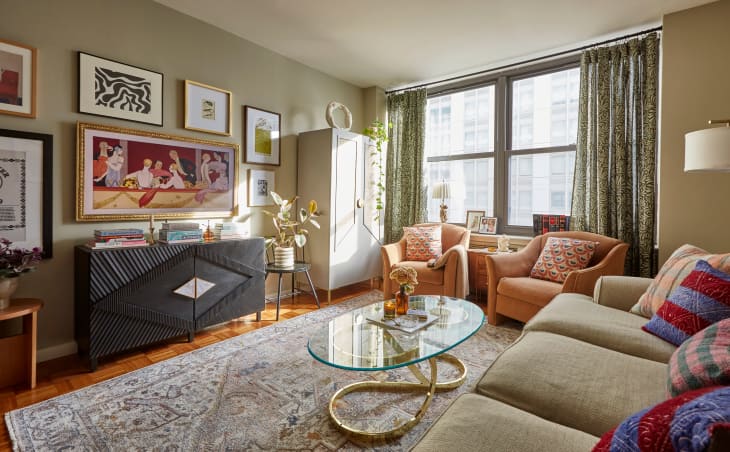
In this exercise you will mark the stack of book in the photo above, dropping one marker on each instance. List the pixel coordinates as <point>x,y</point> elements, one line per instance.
<point>542,223</point>
<point>230,231</point>
<point>180,233</point>
<point>115,238</point>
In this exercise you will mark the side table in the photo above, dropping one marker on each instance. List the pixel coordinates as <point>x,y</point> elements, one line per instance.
<point>19,351</point>
<point>478,271</point>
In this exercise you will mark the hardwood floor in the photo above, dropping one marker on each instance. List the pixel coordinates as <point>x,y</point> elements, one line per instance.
<point>70,373</point>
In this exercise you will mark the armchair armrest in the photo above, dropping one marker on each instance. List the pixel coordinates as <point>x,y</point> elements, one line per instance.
<point>457,251</point>
<point>619,292</point>
<point>391,254</point>
<point>583,281</point>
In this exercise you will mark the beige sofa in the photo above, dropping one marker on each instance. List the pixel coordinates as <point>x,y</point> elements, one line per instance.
<point>580,367</point>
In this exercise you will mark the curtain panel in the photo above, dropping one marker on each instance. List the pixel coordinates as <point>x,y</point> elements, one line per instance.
<point>405,192</point>
<point>614,191</point>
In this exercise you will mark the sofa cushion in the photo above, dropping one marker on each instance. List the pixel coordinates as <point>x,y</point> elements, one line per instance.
<point>426,274</point>
<point>674,270</point>
<point>576,316</point>
<point>687,422</point>
<point>423,242</point>
<point>560,256</point>
<point>702,299</point>
<point>475,422</point>
<point>535,291</point>
<point>573,383</point>
<point>702,360</point>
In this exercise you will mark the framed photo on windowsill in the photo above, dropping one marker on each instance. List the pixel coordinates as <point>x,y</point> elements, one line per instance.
<point>488,225</point>
<point>26,189</point>
<point>472,219</point>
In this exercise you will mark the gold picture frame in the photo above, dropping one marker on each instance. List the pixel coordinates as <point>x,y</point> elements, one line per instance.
<point>127,174</point>
<point>17,79</point>
<point>207,108</point>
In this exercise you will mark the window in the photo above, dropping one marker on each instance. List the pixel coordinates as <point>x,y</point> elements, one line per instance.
<point>460,150</point>
<point>531,171</point>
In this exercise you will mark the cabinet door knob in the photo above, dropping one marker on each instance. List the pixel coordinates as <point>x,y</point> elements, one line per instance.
<point>359,203</point>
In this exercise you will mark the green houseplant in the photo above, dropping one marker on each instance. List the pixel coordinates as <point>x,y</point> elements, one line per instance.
<point>13,263</point>
<point>379,134</point>
<point>289,229</point>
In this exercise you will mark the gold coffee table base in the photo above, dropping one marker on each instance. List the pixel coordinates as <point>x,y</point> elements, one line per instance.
<point>428,386</point>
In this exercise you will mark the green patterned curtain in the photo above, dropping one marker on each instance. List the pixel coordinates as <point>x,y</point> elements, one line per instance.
<point>614,192</point>
<point>405,193</point>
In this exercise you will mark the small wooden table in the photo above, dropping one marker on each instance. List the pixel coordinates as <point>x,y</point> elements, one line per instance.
<point>19,351</point>
<point>478,271</point>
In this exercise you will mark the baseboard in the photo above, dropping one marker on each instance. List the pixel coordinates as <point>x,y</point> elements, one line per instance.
<point>56,351</point>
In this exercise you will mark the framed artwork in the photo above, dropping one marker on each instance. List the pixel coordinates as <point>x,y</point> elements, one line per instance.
<point>207,109</point>
<point>487,225</point>
<point>17,79</point>
<point>26,189</point>
<point>117,90</point>
<point>262,137</point>
<point>472,219</point>
<point>260,185</point>
<point>125,174</point>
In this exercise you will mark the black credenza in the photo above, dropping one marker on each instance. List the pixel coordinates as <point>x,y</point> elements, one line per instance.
<point>130,297</point>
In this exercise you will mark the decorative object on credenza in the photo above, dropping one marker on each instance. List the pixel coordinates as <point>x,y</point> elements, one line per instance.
<point>407,279</point>
<point>442,190</point>
<point>117,90</point>
<point>126,174</point>
<point>17,79</point>
<point>152,230</point>
<point>13,263</point>
<point>26,189</point>
<point>289,228</point>
<point>262,136</point>
<point>708,149</point>
<point>207,109</point>
<point>488,225</point>
<point>260,185</point>
<point>472,219</point>
<point>329,115</point>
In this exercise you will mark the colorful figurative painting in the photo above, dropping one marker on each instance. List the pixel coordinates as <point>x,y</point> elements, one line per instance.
<point>128,174</point>
<point>118,90</point>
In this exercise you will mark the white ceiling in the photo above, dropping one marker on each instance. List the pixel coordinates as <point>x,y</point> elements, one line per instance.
<point>393,43</point>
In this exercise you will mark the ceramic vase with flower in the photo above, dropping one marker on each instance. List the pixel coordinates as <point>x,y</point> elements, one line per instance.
<point>407,278</point>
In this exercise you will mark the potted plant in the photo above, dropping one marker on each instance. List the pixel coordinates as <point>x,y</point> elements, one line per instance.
<point>13,263</point>
<point>289,231</point>
<point>379,134</point>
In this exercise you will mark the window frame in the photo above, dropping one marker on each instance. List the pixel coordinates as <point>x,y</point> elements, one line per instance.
<point>503,151</point>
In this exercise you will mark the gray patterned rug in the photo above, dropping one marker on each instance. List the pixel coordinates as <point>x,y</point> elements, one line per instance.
<point>257,391</point>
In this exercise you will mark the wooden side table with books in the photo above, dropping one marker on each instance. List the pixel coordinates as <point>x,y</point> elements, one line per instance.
<point>19,351</point>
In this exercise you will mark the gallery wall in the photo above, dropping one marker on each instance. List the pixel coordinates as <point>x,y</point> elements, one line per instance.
<point>148,35</point>
<point>693,207</point>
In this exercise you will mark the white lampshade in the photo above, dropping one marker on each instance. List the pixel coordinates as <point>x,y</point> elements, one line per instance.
<point>707,150</point>
<point>441,190</point>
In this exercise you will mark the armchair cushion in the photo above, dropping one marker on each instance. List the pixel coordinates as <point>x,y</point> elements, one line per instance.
<point>532,290</point>
<point>560,256</point>
<point>423,242</point>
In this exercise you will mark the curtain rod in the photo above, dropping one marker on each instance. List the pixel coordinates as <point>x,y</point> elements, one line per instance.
<point>531,60</point>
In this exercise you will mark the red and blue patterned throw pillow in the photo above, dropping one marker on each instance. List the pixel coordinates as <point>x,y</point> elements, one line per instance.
<point>688,422</point>
<point>422,242</point>
<point>702,360</point>
<point>701,299</point>
<point>562,256</point>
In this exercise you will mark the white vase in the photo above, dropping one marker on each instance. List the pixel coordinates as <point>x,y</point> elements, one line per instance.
<point>284,257</point>
<point>7,289</point>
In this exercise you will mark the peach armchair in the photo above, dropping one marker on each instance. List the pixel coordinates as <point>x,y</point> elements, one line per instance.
<point>450,275</point>
<point>512,293</point>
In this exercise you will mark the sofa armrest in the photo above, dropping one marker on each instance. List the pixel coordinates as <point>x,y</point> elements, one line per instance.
<point>619,292</point>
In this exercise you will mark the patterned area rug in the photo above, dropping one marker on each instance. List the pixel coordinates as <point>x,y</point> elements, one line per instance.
<point>257,391</point>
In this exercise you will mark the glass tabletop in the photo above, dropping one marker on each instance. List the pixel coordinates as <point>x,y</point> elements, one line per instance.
<point>353,342</point>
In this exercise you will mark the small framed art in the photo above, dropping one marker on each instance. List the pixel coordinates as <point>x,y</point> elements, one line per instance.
<point>262,137</point>
<point>17,79</point>
<point>260,185</point>
<point>472,219</point>
<point>207,109</point>
<point>117,90</point>
<point>26,189</point>
<point>488,225</point>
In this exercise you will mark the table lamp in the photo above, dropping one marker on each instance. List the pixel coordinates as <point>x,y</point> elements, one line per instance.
<point>442,190</point>
<point>708,149</point>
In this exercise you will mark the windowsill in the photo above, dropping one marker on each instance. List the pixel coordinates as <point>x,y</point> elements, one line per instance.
<point>484,240</point>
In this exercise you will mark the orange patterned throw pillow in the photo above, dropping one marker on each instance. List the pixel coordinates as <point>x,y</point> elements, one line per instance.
<point>422,242</point>
<point>562,256</point>
<point>675,269</point>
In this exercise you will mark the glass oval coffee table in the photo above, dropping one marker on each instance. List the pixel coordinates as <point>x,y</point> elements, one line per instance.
<point>360,340</point>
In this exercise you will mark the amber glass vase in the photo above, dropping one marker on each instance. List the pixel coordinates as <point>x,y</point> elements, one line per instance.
<point>401,302</point>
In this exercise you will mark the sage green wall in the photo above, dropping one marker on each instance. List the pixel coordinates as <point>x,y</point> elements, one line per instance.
<point>693,207</point>
<point>148,35</point>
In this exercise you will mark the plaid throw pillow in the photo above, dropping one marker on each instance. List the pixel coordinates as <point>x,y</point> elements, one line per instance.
<point>674,270</point>
<point>702,299</point>
<point>562,256</point>
<point>702,360</point>
<point>422,242</point>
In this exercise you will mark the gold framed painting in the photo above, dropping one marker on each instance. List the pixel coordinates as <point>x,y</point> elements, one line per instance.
<point>262,136</point>
<point>17,79</point>
<point>126,174</point>
<point>207,108</point>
